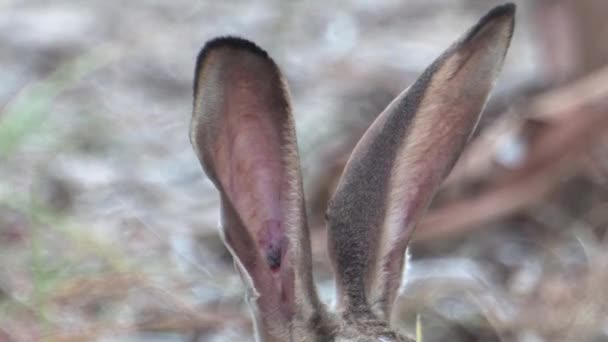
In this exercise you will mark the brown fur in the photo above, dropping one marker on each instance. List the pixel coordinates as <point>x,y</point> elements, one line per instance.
<point>243,133</point>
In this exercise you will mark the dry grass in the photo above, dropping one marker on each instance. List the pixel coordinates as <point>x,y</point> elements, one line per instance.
<point>107,227</point>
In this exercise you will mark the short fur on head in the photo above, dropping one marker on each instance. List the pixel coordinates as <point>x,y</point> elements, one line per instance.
<point>243,133</point>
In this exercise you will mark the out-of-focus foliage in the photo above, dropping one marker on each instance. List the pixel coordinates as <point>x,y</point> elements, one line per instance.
<point>108,226</point>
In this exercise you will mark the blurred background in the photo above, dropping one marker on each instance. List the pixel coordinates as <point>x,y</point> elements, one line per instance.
<point>108,226</point>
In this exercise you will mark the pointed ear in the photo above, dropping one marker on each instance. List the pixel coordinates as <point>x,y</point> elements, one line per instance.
<point>243,132</point>
<point>397,166</point>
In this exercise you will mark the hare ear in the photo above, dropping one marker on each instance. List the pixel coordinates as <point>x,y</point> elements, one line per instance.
<point>243,132</point>
<point>397,166</point>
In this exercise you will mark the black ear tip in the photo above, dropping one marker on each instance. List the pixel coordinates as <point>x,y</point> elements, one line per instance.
<point>231,42</point>
<point>505,10</point>
<point>503,14</point>
<point>227,42</point>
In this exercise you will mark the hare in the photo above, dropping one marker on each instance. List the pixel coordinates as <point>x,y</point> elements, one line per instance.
<point>243,133</point>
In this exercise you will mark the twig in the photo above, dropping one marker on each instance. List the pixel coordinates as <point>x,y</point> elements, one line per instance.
<point>579,117</point>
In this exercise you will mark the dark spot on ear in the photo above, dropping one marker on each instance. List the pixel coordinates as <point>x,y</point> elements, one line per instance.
<point>274,244</point>
<point>273,257</point>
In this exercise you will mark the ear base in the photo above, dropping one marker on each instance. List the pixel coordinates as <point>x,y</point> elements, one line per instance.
<point>243,133</point>
<point>402,158</point>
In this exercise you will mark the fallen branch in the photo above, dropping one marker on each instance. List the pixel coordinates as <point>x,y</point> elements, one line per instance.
<point>578,117</point>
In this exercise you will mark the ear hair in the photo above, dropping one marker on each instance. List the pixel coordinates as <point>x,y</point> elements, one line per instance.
<point>400,161</point>
<point>243,133</point>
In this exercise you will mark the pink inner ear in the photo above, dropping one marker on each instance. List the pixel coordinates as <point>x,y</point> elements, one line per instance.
<point>251,170</point>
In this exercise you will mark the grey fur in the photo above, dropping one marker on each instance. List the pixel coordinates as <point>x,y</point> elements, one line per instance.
<point>368,231</point>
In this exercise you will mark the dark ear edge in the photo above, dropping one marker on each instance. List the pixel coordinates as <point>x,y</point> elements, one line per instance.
<point>396,167</point>
<point>229,42</point>
<point>243,133</point>
<point>506,10</point>
<point>237,45</point>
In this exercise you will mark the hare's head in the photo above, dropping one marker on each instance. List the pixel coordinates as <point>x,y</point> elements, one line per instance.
<point>243,133</point>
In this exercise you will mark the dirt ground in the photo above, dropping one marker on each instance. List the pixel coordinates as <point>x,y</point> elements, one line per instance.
<point>108,227</point>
